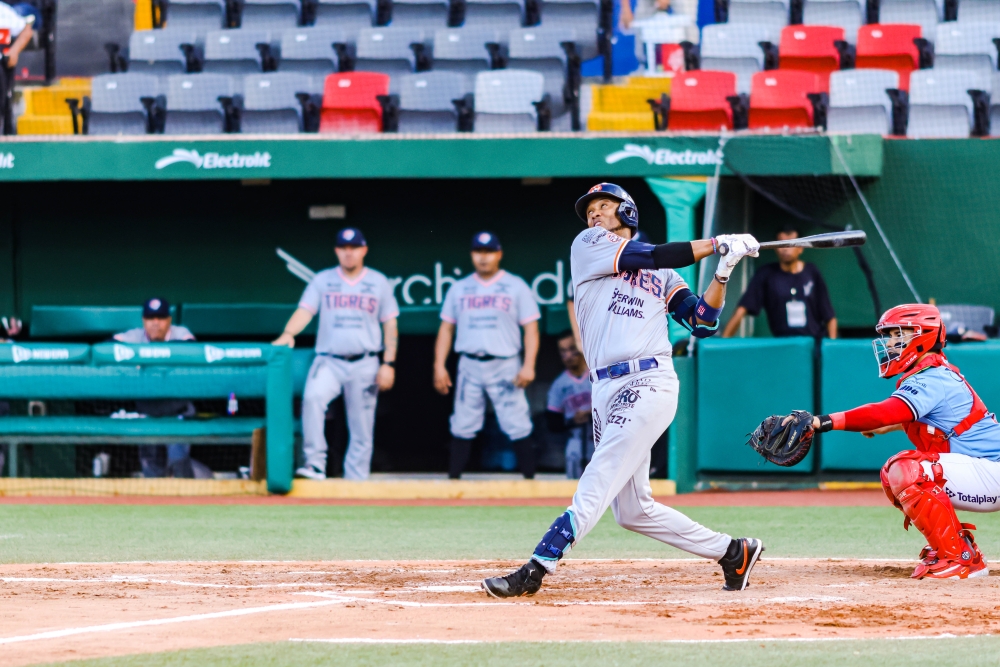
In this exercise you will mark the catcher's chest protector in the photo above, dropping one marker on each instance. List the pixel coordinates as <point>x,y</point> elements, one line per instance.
<point>927,438</point>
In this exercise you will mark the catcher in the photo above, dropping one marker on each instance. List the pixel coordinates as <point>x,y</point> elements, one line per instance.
<point>956,463</point>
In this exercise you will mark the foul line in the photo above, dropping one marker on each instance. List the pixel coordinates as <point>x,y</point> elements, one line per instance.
<point>742,640</point>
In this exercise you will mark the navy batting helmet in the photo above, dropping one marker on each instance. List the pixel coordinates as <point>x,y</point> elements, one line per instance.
<point>627,211</point>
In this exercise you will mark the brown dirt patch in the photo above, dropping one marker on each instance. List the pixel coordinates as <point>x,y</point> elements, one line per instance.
<point>586,600</point>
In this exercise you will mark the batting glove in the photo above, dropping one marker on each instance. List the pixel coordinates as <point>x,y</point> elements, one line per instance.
<point>740,246</point>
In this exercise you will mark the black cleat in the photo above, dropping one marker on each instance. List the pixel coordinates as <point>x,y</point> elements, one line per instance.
<point>526,581</point>
<point>739,561</point>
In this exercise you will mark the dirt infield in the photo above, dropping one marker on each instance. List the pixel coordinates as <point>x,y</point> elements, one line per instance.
<point>67,611</point>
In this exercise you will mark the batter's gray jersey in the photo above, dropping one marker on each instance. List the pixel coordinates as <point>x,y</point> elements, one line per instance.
<point>488,315</point>
<point>350,311</point>
<point>138,335</point>
<point>622,315</point>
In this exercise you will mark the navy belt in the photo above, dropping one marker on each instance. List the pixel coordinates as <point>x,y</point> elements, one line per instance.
<point>482,357</point>
<point>349,357</point>
<point>624,368</point>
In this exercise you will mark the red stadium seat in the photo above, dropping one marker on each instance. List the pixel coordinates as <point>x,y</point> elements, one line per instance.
<point>889,46</point>
<point>779,98</point>
<point>698,100</point>
<point>350,103</point>
<point>811,48</point>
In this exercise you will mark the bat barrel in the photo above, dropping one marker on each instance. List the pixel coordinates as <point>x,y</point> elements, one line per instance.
<point>843,239</point>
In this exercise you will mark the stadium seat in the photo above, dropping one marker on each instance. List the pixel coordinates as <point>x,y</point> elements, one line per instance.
<point>45,108</point>
<point>940,104</point>
<point>811,48</point>
<point>193,105</point>
<point>580,16</point>
<point>235,52</point>
<point>116,103</point>
<point>269,14</point>
<point>270,104</point>
<point>698,100</point>
<point>160,52</point>
<point>779,98</point>
<point>464,51</point>
<point>626,107</point>
<point>889,46</point>
<point>539,49</point>
<point>960,318</point>
<point>506,101</point>
<point>347,15</point>
<point>995,105</point>
<point>350,102</point>
<point>961,45</point>
<point>426,14</point>
<point>426,102</point>
<point>771,13</point>
<point>310,50</point>
<point>389,50</point>
<point>924,13</point>
<point>198,15</point>
<point>499,14</point>
<point>846,14</point>
<point>736,47</point>
<point>979,11</point>
<point>859,103</point>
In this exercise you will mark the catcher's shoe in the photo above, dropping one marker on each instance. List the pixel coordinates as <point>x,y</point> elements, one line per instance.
<point>739,561</point>
<point>526,581</point>
<point>969,564</point>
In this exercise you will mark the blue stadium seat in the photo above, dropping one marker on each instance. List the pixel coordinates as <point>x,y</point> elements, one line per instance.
<point>116,103</point>
<point>160,52</point>
<point>425,102</point>
<point>193,105</point>
<point>310,50</point>
<point>270,105</point>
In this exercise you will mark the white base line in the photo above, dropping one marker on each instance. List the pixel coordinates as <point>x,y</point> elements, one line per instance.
<point>112,627</point>
<point>746,640</point>
<point>568,559</point>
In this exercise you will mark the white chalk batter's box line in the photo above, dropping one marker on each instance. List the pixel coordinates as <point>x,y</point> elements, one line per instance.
<point>741,640</point>
<point>568,560</point>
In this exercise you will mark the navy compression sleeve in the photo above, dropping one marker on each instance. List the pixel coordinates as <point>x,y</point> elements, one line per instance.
<point>637,256</point>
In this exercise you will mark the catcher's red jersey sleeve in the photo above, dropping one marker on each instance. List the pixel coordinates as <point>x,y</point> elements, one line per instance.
<point>869,417</point>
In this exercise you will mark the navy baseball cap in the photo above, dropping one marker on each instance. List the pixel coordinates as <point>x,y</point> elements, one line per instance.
<point>155,308</point>
<point>486,241</point>
<point>350,236</point>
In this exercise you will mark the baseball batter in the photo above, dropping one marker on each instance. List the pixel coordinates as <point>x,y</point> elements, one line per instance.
<point>485,312</point>
<point>624,291</point>
<point>956,463</point>
<point>357,320</point>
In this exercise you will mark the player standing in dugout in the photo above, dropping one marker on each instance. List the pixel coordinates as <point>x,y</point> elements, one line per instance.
<point>624,290</point>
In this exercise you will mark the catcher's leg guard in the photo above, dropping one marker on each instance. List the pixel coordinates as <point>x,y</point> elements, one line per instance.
<point>953,551</point>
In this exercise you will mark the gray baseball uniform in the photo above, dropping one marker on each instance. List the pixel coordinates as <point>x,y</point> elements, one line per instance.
<point>488,316</point>
<point>349,339</point>
<point>569,395</point>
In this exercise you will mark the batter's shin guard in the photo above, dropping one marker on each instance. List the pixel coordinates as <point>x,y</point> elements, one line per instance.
<point>525,450</point>
<point>557,542</point>
<point>459,451</point>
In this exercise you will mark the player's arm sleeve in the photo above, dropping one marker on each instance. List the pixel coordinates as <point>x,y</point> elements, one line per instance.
<point>388,306</point>
<point>449,309</point>
<point>527,307</point>
<point>636,256</point>
<point>753,298</point>
<point>889,412</point>
<point>310,299</point>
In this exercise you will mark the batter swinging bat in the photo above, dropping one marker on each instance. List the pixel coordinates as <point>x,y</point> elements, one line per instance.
<point>832,240</point>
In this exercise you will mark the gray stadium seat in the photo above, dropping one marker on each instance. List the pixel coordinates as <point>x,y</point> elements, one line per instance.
<point>979,11</point>
<point>773,13</point>
<point>387,50</point>
<point>499,14</point>
<point>538,49</point>
<point>735,47</point>
<point>995,105</point>
<point>463,50</point>
<point>580,16</point>
<point>426,14</point>
<point>234,52</point>
<point>962,45</point>
<point>158,52</point>
<point>116,106</point>
<point>859,103</point>
<point>425,102</point>
<point>198,15</point>
<point>310,50</point>
<point>940,105</point>
<point>959,318</point>
<point>348,15</point>
<point>846,14</point>
<point>270,14</point>
<point>270,104</point>
<point>193,105</point>
<point>504,100</point>
<point>925,13</point>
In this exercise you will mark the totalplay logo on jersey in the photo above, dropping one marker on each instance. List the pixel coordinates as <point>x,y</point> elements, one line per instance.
<point>257,160</point>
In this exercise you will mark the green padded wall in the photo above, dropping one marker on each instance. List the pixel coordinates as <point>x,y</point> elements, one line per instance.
<point>741,381</point>
<point>92,321</point>
<point>980,364</point>
<point>850,378</point>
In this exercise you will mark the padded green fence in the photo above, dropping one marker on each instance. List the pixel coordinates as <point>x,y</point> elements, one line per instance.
<point>980,364</point>
<point>849,379</point>
<point>741,381</point>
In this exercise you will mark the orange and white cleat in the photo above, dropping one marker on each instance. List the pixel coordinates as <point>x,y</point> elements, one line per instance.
<point>969,564</point>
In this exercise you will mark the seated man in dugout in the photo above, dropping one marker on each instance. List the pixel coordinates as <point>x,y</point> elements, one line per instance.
<point>172,460</point>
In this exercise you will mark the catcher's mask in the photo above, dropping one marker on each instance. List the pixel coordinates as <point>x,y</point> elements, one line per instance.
<point>905,333</point>
<point>627,212</point>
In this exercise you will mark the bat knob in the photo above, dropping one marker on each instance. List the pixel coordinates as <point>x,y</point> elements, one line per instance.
<point>723,249</point>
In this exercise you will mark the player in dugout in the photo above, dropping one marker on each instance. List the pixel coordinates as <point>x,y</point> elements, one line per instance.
<point>956,463</point>
<point>485,313</point>
<point>624,291</point>
<point>357,323</point>
<point>792,293</point>
<point>568,409</point>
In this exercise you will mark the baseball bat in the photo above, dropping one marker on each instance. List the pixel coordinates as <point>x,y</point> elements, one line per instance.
<point>847,239</point>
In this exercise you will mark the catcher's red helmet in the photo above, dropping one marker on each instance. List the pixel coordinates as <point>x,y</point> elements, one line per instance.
<point>895,349</point>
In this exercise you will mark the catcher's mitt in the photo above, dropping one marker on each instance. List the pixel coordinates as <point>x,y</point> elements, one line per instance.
<point>784,445</point>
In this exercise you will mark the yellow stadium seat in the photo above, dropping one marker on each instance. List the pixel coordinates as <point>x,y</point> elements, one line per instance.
<point>45,109</point>
<point>45,124</point>
<point>602,121</point>
<point>624,108</point>
<point>143,17</point>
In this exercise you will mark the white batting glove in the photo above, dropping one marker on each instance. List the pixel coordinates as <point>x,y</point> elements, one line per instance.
<point>740,246</point>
